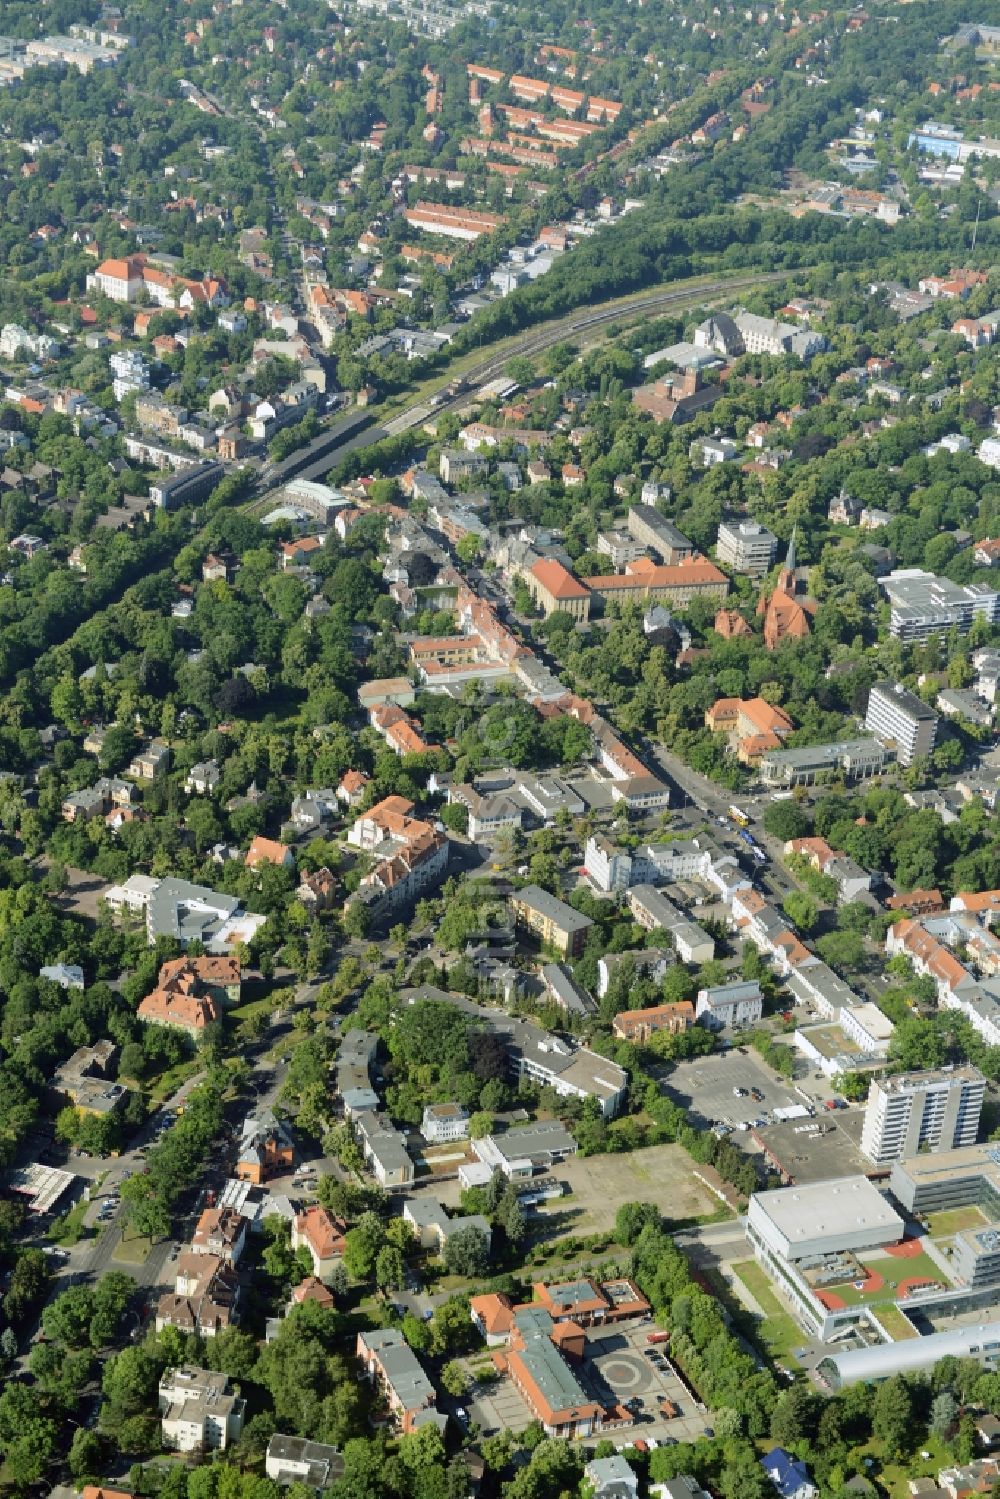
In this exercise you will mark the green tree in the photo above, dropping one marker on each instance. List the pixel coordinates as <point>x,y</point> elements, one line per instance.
<point>454,1379</point>
<point>390,1269</point>
<point>361,1246</point>
<point>466,1252</point>
<point>892,1417</point>
<point>801,910</point>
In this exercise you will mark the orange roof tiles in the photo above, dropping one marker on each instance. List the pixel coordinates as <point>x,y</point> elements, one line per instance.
<point>267,851</point>
<point>558,580</point>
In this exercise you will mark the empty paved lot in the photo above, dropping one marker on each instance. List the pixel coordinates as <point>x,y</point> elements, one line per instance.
<point>662,1174</point>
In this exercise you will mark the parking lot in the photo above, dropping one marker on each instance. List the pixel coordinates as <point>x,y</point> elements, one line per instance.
<point>622,1365</point>
<point>704,1087</point>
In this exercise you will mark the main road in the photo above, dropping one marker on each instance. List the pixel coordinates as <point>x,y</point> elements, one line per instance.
<point>316,459</point>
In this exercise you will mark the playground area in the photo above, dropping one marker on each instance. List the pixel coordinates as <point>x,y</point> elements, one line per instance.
<point>891,1274</point>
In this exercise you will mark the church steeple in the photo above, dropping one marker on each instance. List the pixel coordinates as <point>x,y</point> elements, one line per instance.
<point>787,581</point>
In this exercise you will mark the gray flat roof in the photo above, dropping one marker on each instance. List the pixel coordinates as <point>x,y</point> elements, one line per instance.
<point>805,1211</point>
<point>834,749</point>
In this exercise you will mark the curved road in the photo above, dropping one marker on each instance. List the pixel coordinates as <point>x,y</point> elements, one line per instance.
<point>527,344</point>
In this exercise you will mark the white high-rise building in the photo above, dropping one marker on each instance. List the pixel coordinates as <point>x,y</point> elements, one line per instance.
<point>922,1111</point>
<point>896,716</point>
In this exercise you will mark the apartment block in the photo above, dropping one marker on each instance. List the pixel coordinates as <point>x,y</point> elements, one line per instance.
<point>746,547</point>
<point>914,1112</point>
<point>393,1368</point>
<point>659,535</point>
<point>551,919</point>
<point>654,912</point>
<point>922,605</point>
<point>900,718</point>
<point>198,1413</point>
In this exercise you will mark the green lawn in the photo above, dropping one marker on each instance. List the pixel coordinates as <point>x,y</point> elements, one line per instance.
<point>132,1251</point>
<point>954,1220</point>
<point>895,1323</point>
<point>777,1330</point>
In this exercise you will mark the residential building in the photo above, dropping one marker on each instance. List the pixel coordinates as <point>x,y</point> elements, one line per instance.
<point>197,1411</point>
<point>205,1295</point>
<point>552,920</point>
<point>659,535</point>
<point>188,487</point>
<point>385,1150</point>
<point>220,1231</point>
<point>562,989</point>
<point>455,223</point>
<point>411,855</point>
<point>191,993</point>
<point>922,1111</point>
<point>489,812</point>
<point>900,719</point>
<point>186,912</point>
<point>654,912</point>
<point>322,1236</point>
<point>202,778</point>
<point>611,1478</point>
<point>789,1475</point>
<point>266,1149</point>
<point>922,605</point>
<point>735,1005</point>
<point>638,1025</point>
<point>433,1227</point>
<point>269,851</point>
<point>300,1460</point>
<point>443,1122</point>
<point>746,547</point>
<point>389,1363</point>
<point>681,1487</point>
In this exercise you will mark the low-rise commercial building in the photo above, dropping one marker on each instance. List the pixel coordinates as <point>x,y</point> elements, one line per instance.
<point>856,759</point>
<point>922,605</point>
